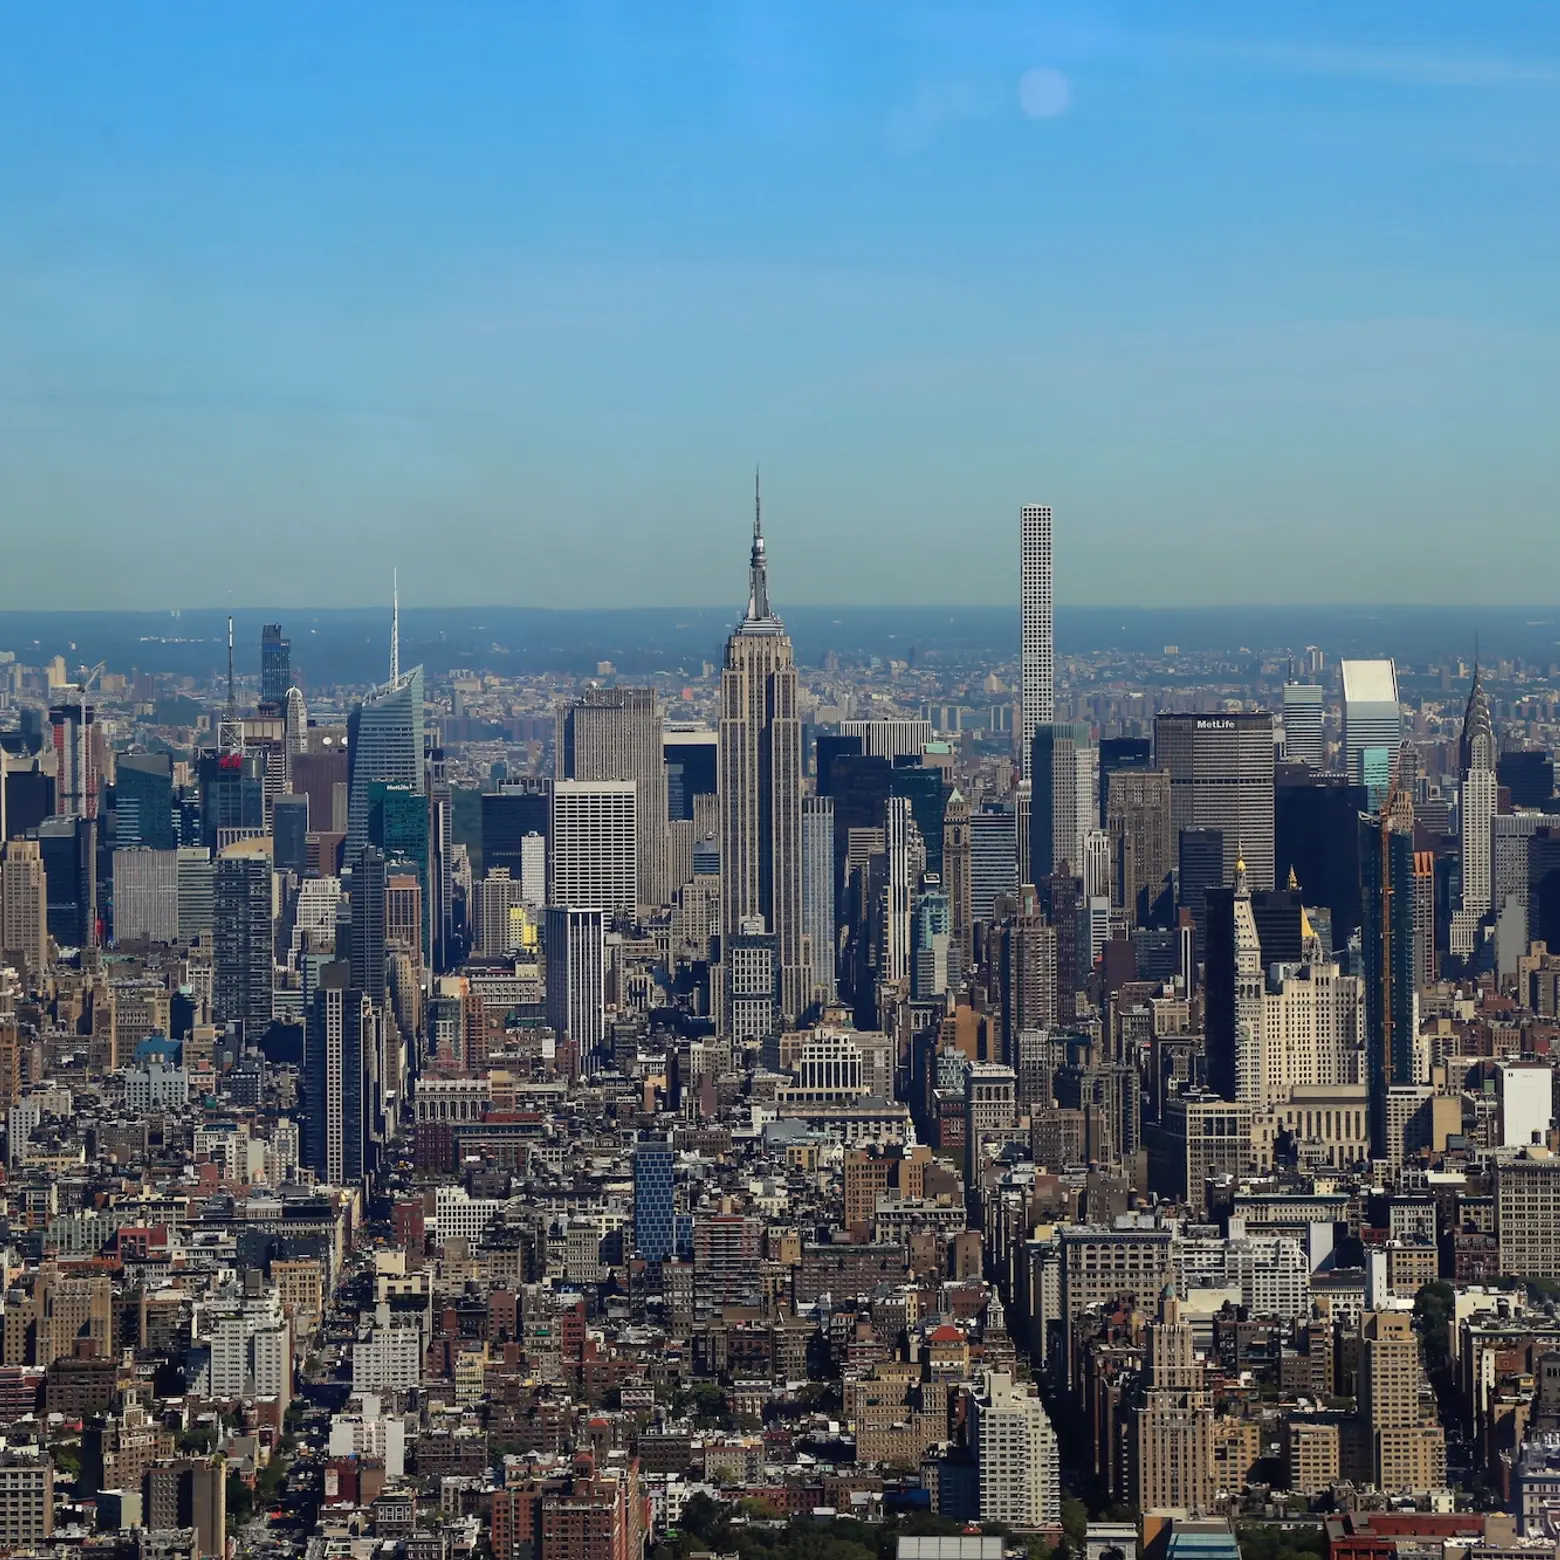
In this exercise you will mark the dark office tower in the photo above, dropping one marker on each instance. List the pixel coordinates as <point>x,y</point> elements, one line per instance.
<point>654,1219</point>
<point>1137,818</point>
<point>1061,898</point>
<point>1122,755</point>
<point>316,775</point>
<point>241,990</point>
<point>398,825</point>
<point>368,923</point>
<point>1027,972</point>
<point>290,831</point>
<point>275,669</point>
<point>1200,854</point>
<point>441,876</point>
<point>923,788</point>
<point>692,763</point>
<point>818,919</point>
<point>830,747</point>
<point>1221,777</point>
<point>190,1493</point>
<point>384,742</point>
<point>143,802</point>
<point>1277,917</point>
<point>232,797</point>
<point>860,786</point>
<point>956,878</point>
<point>1388,945</point>
<point>340,1064</point>
<point>1316,836</point>
<point>1064,792</point>
<point>29,799</point>
<point>1543,873</point>
<point>615,734</point>
<point>508,815</point>
<point>1529,778</point>
<point>69,850</point>
<point>993,860</point>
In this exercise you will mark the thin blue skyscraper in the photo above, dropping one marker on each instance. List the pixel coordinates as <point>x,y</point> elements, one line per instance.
<point>654,1223</point>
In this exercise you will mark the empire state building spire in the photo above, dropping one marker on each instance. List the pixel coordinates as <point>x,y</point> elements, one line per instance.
<point>760,618</point>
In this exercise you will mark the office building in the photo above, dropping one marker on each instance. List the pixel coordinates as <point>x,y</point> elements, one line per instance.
<point>576,977</point>
<point>752,981</point>
<point>1316,838</point>
<point>922,787</point>
<point>1064,791</point>
<point>818,924</point>
<point>68,846</point>
<point>232,796</point>
<point>1543,887</point>
<point>900,737</point>
<point>1025,959</point>
<point>340,1077</point>
<point>593,848</point>
<point>1303,724</point>
<point>934,959</point>
<point>1528,777</point>
<point>143,802</point>
<point>615,734</point>
<point>761,786</point>
<point>189,1493</point>
<point>1524,1091</point>
<point>385,741</point>
<point>1476,810</point>
<point>1527,1213</point>
<point>993,833</point>
<point>499,921</point>
<point>24,904</point>
<point>956,878</point>
<point>1036,699</point>
<point>691,755</point>
<point>275,669</point>
<point>146,895</point>
<point>242,962</point>
<point>1199,870</point>
<point>1174,1441</point>
<point>904,861</point>
<point>1015,1449</point>
<point>366,908</point>
<point>508,816</point>
<point>1137,821</point>
<point>1388,897</point>
<point>1221,777</point>
<point>1121,755</point>
<point>197,893</point>
<point>654,1215</point>
<point>1372,724</point>
<point>290,831</point>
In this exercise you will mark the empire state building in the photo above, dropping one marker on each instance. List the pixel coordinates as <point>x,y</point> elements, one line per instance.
<point>761,788</point>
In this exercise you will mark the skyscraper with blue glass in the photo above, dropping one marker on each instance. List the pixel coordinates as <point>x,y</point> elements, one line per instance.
<point>654,1221</point>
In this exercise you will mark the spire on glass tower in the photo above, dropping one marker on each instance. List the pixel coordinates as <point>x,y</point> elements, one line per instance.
<point>760,618</point>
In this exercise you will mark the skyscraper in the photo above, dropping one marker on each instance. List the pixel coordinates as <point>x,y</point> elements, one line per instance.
<point>339,1060</point>
<point>576,976</point>
<point>143,801</point>
<point>24,903</point>
<point>69,849</point>
<point>1476,811</point>
<point>367,909</point>
<point>1388,899</point>
<point>1015,1450</point>
<point>275,669</point>
<point>1064,781</point>
<point>761,784</point>
<point>818,894</point>
<point>1372,724</point>
<point>615,734</point>
<point>1137,819</point>
<point>593,856</point>
<point>1303,723</point>
<point>1037,698</point>
<point>74,731</point>
<point>956,879</point>
<point>902,845</point>
<point>385,742</point>
<point>241,937</point>
<point>1221,777</point>
<point>654,1219</point>
<point>1175,1454</point>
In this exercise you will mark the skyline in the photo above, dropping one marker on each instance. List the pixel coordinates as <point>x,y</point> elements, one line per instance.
<point>1261,309</point>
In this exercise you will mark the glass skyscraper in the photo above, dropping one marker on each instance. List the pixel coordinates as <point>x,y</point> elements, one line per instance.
<point>385,742</point>
<point>654,1219</point>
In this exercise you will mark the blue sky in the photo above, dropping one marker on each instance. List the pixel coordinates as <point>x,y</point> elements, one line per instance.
<point>1261,298</point>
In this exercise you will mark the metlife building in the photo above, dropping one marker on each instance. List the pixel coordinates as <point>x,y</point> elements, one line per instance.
<point>1221,777</point>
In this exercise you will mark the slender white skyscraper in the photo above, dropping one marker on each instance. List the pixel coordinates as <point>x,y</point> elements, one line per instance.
<point>1476,812</point>
<point>1037,694</point>
<point>818,893</point>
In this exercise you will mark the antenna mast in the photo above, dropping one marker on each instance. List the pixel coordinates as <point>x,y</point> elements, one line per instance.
<point>395,625</point>
<point>230,734</point>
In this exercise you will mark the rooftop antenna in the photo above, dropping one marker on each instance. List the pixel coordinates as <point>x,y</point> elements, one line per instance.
<point>232,701</point>
<point>395,625</point>
<point>230,734</point>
